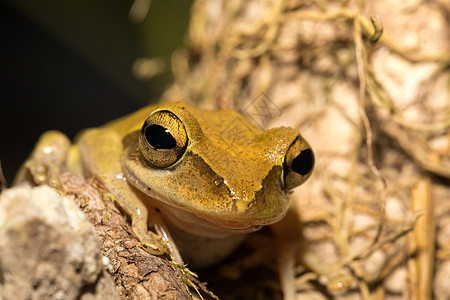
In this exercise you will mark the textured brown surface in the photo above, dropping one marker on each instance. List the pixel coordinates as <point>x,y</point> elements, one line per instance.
<point>136,273</point>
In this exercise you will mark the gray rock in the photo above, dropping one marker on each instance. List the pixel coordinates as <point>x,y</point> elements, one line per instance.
<point>48,250</point>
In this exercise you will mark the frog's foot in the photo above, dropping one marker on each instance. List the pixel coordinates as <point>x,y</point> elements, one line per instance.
<point>153,244</point>
<point>44,173</point>
<point>46,161</point>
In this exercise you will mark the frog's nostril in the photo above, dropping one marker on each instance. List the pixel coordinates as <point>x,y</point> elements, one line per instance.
<point>304,162</point>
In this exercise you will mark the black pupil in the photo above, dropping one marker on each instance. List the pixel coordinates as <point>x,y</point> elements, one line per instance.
<point>304,162</point>
<point>159,137</point>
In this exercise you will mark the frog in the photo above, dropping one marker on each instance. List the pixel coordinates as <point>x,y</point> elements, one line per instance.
<point>202,179</point>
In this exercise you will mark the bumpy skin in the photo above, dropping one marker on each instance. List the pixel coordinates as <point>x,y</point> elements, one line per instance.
<point>229,180</point>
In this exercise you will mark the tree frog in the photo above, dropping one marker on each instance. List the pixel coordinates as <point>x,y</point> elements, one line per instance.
<point>210,177</point>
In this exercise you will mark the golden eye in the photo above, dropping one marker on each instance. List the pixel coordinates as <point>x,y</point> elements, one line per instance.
<point>163,139</point>
<point>298,164</point>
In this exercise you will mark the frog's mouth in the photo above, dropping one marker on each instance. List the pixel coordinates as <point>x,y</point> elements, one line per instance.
<point>268,206</point>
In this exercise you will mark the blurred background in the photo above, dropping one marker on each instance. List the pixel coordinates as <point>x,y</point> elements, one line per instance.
<point>67,65</point>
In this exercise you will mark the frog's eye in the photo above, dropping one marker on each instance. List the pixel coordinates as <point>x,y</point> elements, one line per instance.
<point>163,139</point>
<point>298,164</point>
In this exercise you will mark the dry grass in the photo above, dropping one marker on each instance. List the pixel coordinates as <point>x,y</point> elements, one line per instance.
<point>374,107</point>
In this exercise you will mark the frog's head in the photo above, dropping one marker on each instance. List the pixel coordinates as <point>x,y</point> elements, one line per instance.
<point>216,166</point>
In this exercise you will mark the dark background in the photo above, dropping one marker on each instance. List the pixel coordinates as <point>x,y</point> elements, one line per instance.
<point>69,68</point>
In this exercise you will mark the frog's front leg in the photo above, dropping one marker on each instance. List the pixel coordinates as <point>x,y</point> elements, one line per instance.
<point>46,161</point>
<point>158,243</point>
<point>139,215</point>
<point>100,151</point>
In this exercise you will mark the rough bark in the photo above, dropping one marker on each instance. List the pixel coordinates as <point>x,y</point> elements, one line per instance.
<point>137,274</point>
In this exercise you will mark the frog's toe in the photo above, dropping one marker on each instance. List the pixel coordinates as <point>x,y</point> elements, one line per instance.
<point>43,173</point>
<point>154,246</point>
<point>152,249</point>
<point>37,171</point>
<point>46,161</point>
